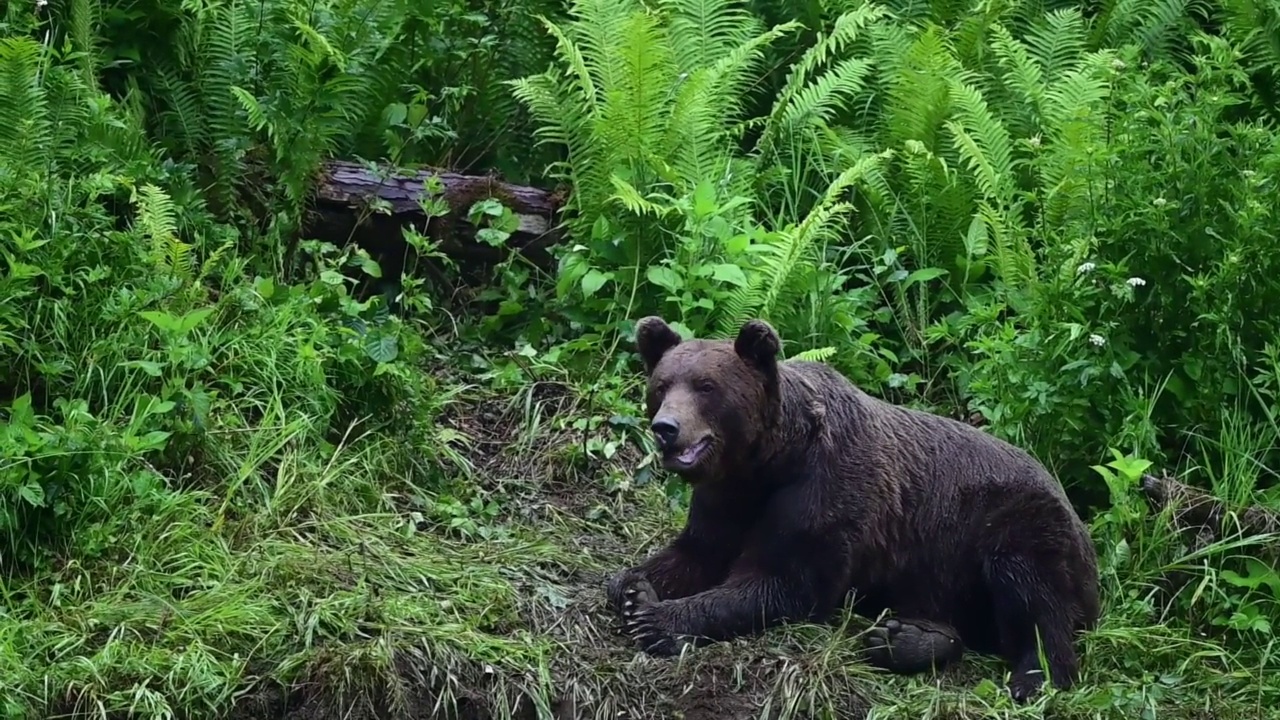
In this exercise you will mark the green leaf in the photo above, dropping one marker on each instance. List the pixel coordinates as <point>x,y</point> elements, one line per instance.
<point>704,198</point>
<point>154,369</point>
<point>729,273</point>
<point>593,281</point>
<point>193,319</point>
<point>664,277</point>
<point>923,275</point>
<point>381,347</point>
<point>162,320</point>
<point>371,267</point>
<point>266,287</point>
<point>33,493</point>
<point>395,113</point>
<point>491,236</point>
<point>20,411</point>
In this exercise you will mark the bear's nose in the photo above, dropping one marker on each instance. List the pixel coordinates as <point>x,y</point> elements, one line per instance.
<point>667,430</point>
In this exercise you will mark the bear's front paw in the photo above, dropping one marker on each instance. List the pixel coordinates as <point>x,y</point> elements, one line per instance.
<point>644,620</point>
<point>911,646</point>
<point>1025,684</point>
<point>615,589</point>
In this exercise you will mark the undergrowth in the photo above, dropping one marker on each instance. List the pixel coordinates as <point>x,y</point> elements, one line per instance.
<point>233,484</point>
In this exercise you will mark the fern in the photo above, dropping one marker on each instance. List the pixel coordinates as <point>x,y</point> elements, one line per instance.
<point>918,91</point>
<point>797,99</point>
<point>1058,42</point>
<point>639,102</point>
<point>821,354</point>
<point>157,220</point>
<point>779,259</point>
<point>26,129</point>
<point>704,32</point>
<point>987,150</point>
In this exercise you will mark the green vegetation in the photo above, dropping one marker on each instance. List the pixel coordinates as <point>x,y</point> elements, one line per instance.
<point>233,486</point>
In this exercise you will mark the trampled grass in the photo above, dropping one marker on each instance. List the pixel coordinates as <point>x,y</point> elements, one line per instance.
<point>328,589</point>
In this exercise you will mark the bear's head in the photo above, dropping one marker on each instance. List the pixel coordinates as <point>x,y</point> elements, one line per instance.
<point>711,403</point>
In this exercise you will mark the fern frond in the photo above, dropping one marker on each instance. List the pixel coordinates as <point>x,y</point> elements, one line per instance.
<point>1160,23</point>
<point>1023,74</point>
<point>629,197</point>
<point>705,103</point>
<point>780,258</point>
<point>703,31</point>
<point>26,132</point>
<point>821,354</point>
<point>1058,42</point>
<point>1079,93</point>
<point>983,142</point>
<point>987,150</point>
<point>157,219</point>
<point>635,114</point>
<point>845,29</point>
<point>919,94</point>
<point>827,94</point>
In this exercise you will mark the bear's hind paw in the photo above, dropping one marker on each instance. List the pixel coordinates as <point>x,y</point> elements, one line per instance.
<point>911,646</point>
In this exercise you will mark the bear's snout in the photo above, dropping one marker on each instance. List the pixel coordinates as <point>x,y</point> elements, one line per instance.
<point>667,430</point>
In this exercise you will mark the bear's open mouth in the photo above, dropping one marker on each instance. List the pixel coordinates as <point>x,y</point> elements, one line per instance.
<point>689,456</point>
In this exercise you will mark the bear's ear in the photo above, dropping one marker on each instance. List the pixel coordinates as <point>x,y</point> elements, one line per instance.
<point>654,337</point>
<point>758,343</point>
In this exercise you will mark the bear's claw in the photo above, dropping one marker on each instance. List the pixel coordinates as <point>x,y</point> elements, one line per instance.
<point>642,623</point>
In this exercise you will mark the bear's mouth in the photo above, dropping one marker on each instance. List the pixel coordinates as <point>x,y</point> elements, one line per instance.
<point>689,457</point>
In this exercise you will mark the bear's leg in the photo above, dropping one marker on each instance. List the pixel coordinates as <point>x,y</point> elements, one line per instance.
<point>743,605</point>
<point>697,560</point>
<point>1033,617</point>
<point>679,570</point>
<point>787,572</point>
<point>909,645</point>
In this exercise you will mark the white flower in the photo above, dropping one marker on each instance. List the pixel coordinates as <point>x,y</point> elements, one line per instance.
<point>1159,202</point>
<point>1097,339</point>
<point>1135,282</point>
<point>1085,267</point>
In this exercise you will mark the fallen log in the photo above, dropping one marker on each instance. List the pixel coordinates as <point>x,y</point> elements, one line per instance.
<point>1203,520</point>
<point>344,211</point>
<point>1197,513</point>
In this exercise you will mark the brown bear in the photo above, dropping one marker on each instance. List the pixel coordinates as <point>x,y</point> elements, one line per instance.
<point>805,489</point>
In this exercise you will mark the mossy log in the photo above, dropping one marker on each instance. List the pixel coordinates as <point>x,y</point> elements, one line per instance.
<point>345,209</point>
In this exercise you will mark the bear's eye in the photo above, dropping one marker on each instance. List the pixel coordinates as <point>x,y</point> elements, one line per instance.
<point>706,386</point>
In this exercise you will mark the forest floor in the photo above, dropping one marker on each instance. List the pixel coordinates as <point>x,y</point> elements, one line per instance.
<point>294,610</point>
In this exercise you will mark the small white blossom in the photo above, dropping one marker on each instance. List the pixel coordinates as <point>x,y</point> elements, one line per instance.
<point>1097,339</point>
<point>1135,282</point>
<point>1085,267</point>
<point>1159,202</point>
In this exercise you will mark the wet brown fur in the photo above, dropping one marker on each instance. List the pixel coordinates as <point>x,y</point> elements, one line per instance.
<point>813,489</point>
